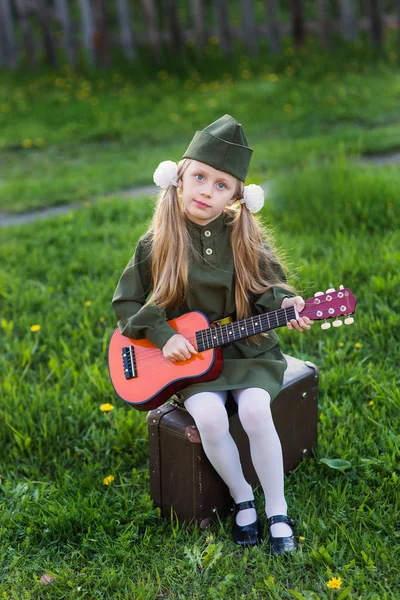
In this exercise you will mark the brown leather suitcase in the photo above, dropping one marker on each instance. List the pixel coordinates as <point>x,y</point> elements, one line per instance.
<point>183,481</point>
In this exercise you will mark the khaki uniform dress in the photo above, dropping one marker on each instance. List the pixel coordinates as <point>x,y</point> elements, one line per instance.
<point>211,290</point>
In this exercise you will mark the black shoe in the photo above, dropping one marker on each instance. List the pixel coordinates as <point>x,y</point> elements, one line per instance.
<point>245,535</point>
<point>282,545</point>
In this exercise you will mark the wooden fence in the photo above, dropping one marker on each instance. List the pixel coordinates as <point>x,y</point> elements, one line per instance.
<point>72,31</point>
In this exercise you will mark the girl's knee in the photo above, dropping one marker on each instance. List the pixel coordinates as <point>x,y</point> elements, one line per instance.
<point>212,424</point>
<point>255,412</point>
<point>210,417</point>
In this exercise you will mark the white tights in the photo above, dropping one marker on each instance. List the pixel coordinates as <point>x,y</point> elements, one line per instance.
<point>209,413</point>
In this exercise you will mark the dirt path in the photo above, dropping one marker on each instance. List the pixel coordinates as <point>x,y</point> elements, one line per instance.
<point>10,219</point>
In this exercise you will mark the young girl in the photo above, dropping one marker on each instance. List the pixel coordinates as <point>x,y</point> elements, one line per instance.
<point>205,251</point>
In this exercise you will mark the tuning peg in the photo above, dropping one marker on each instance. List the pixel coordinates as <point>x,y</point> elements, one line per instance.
<point>328,291</point>
<point>337,323</point>
<point>325,325</point>
<point>341,287</point>
<point>348,320</point>
<point>318,294</point>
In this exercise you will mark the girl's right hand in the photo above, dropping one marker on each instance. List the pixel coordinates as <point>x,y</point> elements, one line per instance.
<point>178,348</point>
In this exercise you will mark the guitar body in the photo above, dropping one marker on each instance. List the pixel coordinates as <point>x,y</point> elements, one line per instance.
<point>152,379</point>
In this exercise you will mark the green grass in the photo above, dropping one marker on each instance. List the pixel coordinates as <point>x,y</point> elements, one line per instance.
<point>57,446</point>
<point>338,221</point>
<point>68,136</point>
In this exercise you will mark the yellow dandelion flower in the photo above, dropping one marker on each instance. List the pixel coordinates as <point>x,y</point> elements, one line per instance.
<point>213,40</point>
<point>174,117</point>
<point>390,205</point>
<point>209,539</point>
<point>163,75</point>
<point>88,303</point>
<point>272,77</point>
<point>101,319</point>
<point>245,74</point>
<point>107,480</point>
<point>334,583</point>
<point>211,102</point>
<point>357,346</point>
<point>107,407</point>
<point>371,403</point>
<point>341,344</point>
<point>301,538</point>
<point>35,328</point>
<point>27,143</point>
<point>288,108</point>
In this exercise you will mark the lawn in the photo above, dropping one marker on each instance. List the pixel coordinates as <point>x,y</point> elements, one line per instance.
<point>337,220</point>
<point>67,136</point>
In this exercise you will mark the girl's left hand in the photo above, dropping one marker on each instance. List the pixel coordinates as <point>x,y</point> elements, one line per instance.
<point>303,322</point>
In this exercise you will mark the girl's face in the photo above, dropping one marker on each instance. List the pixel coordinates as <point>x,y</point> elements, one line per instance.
<point>205,192</point>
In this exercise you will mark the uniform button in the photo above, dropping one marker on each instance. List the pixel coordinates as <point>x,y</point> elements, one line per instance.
<point>208,251</point>
<point>207,233</point>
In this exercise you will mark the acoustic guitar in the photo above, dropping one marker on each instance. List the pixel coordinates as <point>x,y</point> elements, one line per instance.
<point>145,379</point>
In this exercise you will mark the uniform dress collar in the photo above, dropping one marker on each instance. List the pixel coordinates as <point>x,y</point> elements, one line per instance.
<point>215,226</point>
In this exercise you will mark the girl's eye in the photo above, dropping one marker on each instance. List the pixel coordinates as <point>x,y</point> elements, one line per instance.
<point>199,177</point>
<point>221,184</point>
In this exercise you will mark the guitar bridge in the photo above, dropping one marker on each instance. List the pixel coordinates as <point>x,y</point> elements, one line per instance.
<point>128,359</point>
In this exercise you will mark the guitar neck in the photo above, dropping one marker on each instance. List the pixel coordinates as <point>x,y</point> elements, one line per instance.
<point>213,337</point>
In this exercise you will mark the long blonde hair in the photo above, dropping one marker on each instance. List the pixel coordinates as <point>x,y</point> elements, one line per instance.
<point>256,267</point>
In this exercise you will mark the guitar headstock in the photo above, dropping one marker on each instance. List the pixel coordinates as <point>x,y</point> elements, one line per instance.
<point>334,303</point>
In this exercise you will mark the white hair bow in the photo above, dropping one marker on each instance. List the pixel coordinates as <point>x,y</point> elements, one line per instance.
<point>253,197</point>
<point>166,174</point>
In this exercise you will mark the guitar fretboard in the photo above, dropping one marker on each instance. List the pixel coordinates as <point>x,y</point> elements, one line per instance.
<point>231,332</point>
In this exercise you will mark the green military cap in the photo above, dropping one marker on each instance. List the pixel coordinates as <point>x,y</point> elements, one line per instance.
<point>222,145</point>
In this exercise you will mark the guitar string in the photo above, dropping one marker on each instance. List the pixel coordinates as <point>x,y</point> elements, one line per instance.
<point>208,331</point>
<point>156,351</point>
<point>155,356</point>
